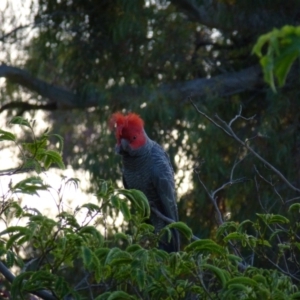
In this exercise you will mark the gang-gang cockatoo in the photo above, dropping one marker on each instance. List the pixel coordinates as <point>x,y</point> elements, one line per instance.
<point>146,167</point>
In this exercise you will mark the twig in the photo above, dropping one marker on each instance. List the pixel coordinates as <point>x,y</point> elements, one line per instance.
<point>228,130</point>
<point>234,136</point>
<point>168,220</point>
<point>214,201</point>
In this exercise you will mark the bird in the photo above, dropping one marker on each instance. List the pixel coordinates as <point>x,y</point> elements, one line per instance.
<point>147,167</point>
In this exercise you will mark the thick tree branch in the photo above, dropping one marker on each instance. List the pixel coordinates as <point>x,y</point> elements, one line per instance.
<point>59,97</point>
<point>219,86</point>
<point>56,94</point>
<point>260,19</point>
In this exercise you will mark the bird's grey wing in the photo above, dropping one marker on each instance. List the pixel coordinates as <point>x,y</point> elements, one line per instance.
<point>124,183</point>
<point>162,178</point>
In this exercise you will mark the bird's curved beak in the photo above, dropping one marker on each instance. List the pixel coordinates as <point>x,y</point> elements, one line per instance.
<point>125,145</point>
<point>122,147</point>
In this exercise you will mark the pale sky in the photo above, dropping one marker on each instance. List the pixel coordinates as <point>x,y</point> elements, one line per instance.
<point>46,201</point>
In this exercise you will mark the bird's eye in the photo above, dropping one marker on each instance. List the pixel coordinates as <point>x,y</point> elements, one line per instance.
<point>134,137</point>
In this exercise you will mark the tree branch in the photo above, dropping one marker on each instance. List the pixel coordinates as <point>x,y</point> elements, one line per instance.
<point>212,14</point>
<point>56,94</point>
<point>229,131</point>
<point>59,97</point>
<point>168,220</point>
<point>13,31</point>
<point>10,277</point>
<point>24,106</point>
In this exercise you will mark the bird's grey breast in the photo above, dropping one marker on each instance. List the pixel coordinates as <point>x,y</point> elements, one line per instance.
<point>136,172</point>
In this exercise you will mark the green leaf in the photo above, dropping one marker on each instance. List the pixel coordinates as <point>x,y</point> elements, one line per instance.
<point>141,257</point>
<point>30,186</point>
<point>183,228</point>
<point>121,261</point>
<point>115,201</point>
<point>10,258</point>
<point>35,148</point>
<point>283,48</point>
<point>294,207</point>
<point>263,242</point>
<point>142,201</point>
<point>145,228</point>
<point>15,237</point>
<point>17,284</point>
<point>102,253</point>
<point>239,287</point>
<point>276,232</point>
<point>234,236</point>
<point>12,229</point>
<point>91,230</point>
<point>20,121</point>
<point>134,248</point>
<point>140,277</point>
<point>125,210</point>
<point>120,236</point>
<point>119,295</point>
<point>52,156</point>
<point>242,224</point>
<point>207,246</point>
<point>104,296</point>
<point>91,207</point>
<point>296,295</point>
<point>273,219</point>
<point>225,227</point>
<point>220,274</point>
<point>234,258</point>
<point>6,136</point>
<point>87,256</point>
<point>138,200</point>
<point>112,254</point>
<point>60,141</point>
<point>243,281</point>
<point>283,64</point>
<point>260,279</point>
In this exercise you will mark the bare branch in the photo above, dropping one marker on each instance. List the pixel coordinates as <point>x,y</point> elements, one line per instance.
<point>245,144</point>
<point>239,116</point>
<point>229,131</point>
<point>213,200</point>
<point>208,118</point>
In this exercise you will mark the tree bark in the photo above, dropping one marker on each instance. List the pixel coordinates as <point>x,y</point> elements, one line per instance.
<point>58,97</point>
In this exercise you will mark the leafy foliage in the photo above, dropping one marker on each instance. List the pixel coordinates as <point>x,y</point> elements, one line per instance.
<point>283,48</point>
<point>127,265</point>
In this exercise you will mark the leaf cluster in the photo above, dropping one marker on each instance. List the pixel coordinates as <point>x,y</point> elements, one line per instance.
<point>282,49</point>
<point>128,265</point>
